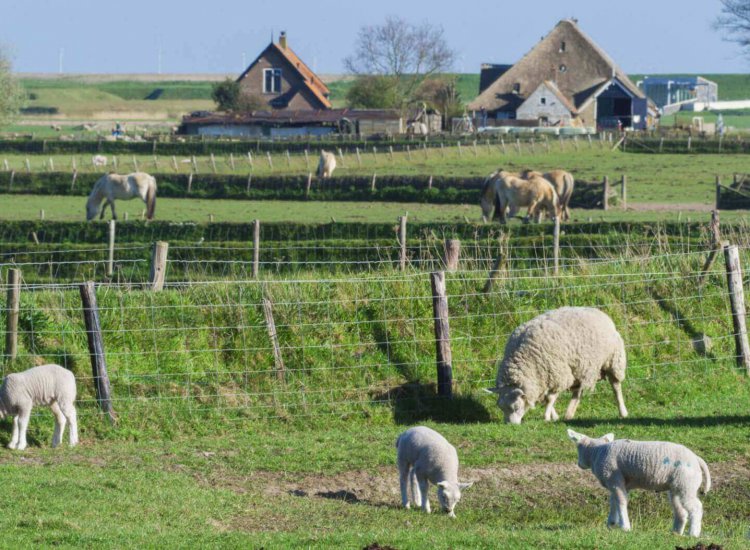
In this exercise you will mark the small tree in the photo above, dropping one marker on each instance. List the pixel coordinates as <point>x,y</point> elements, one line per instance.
<point>373,92</point>
<point>408,53</point>
<point>735,20</point>
<point>226,94</point>
<point>442,94</point>
<point>11,93</point>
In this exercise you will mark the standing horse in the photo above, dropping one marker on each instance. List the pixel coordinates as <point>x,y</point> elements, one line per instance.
<point>505,190</point>
<point>115,186</point>
<point>563,183</point>
<point>326,165</point>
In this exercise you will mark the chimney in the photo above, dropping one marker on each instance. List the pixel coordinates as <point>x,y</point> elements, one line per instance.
<point>282,40</point>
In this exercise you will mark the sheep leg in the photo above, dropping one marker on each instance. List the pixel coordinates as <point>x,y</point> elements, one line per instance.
<point>423,487</point>
<point>694,508</point>
<point>621,504</point>
<point>573,405</point>
<point>14,438</point>
<point>549,412</point>
<point>614,515</point>
<point>617,388</point>
<point>416,495</point>
<point>69,411</point>
<point>679,513</point>
<point>403,479</point>
<point>59,424</point>
<point>23,425</point>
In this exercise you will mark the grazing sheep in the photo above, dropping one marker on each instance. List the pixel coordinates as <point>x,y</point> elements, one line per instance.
<point>623,465</point>
<point>50,385</point>
<point>567,348</point>
<point>326,165</point>
<point>425,456</point>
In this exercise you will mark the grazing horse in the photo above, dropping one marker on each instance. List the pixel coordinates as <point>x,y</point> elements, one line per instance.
<point>326,165</point>
<point>115,186</point>
<point>563,183</point>
<point>505,190</point>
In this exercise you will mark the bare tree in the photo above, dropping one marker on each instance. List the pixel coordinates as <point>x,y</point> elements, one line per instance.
<point>406,52</point>
<point>735,20</point>
<point>11,93</point>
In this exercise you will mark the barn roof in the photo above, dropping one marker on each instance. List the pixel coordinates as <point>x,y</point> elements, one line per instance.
<point>312,82</point>
<point>567,57</point>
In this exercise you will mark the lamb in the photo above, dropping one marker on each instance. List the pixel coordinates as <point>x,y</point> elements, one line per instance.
<point>326,165</point>
<point>50,385</point>
<point>425,456</point>
<point>623,465</point>
<point>566,348</point>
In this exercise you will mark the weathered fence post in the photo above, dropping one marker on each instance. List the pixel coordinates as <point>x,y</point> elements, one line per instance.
<point>359,158</point>
<point>307,159</point>
<point>308,184</point>
<point>256,248</point>
<point>288,158</point>
<point>452,249</point>
<point>270,161</point>
<point>605,193</point>
<point>271,326</point>
<point>556,247</point>
<point>716,246</point>
<point>158,266</point>
<point>372,185</point>
<point>737,302</point>
<point>497,267</point>
<point>96,349</point>
<point>442,335</point>
<point>190,183</point>
<point>111,256</point>
<point>624,191</point>
<point>213,163</point>
<point>13,307</point>
<point>402,242</point>
<point>174,164</point>
<point>718,192</point>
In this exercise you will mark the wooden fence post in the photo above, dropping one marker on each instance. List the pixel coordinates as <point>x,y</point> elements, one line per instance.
<point>359,158</point>
<point>256,248</point>
<point>158,265</point>
<point>75,177</point>
<point>624,191</point>
<point>213,163</point>
<point>718,192</point>
<point>13,308</point>
<point>111,256</point>
<point>605,193</point>
<point>307,159</point>
<point>452,249</point>
<point>402,242</point>
<point>737,302</point>
<point>374,178</point>
<point>308,184</point>
<point>96,349</point>
<point>271,326</point>
<point>556,247</point>
<point>190,183</point>
<point>270,161</point>
<point>497,267</point>
<point>442,335</point>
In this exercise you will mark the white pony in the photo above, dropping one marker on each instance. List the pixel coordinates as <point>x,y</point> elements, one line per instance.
<point>115,186</point>
<point>326,165</point>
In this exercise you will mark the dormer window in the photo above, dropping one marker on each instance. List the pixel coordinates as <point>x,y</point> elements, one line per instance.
<point>562,46</point>
<point>517,88</point>
<point>543,101</point>
<point>271,81</point>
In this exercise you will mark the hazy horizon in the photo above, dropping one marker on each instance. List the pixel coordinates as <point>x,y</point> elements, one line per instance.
<point>86,37</point>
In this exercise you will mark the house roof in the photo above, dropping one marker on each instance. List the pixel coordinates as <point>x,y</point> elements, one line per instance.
<point>566,56</point>
<point>312,82</point>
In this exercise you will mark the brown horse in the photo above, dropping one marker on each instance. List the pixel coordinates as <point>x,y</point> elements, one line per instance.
<point>563,183</point>
<point>505,190</point>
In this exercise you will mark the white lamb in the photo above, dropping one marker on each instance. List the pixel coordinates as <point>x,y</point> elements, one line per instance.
<point>50,385</point>
<point>623,465</point>
<point>99,160</point>
<point>567,348</point>
<point>326,165</point>
<point>425,456</point>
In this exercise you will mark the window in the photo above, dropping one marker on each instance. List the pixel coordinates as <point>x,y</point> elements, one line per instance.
<point>562,47</point>
<point>517,88</point>
<point>544,101</point>
<point>563,68</point>
<point>271,81</point>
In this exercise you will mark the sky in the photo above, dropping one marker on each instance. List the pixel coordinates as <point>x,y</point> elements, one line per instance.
<point>151,36</point>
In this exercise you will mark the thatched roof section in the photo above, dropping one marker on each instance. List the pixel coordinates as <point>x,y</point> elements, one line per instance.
<point>567,57</point>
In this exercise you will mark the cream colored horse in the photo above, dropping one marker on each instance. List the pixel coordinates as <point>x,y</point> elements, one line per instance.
<point>507,191</point>
<point>563,182</point>
<point>326,165</point>
<point>123,187</point>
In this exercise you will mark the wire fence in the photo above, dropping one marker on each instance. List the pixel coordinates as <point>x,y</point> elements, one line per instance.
<point>359,342</point>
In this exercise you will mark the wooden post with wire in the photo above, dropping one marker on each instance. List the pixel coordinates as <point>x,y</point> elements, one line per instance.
<point>737,303</point>
<point>256,248</point>
<point>12,309</point>
<point>402,241</point>
<point>158,266</point>
<point>274,337</point>
<point>442,335</point>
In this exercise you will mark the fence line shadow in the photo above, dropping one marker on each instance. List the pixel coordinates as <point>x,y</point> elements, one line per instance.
<point>687,421</point>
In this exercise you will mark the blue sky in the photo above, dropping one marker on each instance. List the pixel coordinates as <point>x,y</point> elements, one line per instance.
<point>643,36</point>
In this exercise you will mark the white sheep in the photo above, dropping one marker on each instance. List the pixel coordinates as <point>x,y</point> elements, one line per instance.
<point>425,456</point>
<point>326,165</point>
<point>566,348</point>
<point>623,465</point>
<point>50,385</point>
<point>99,160</point>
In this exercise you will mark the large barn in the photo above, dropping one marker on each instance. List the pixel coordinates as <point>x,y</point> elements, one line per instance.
<point>283,81</point>
<point>565,80</point>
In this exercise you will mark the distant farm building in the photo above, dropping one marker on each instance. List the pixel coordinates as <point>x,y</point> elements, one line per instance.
<point>672,92</point>
<point>565,80</point>
<point>282,80</point>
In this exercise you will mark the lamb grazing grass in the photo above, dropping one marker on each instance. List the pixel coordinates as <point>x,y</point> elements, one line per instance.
<point>425,456</point>
<point>566,348</point>
<point>50,385</point>
<point>623,465</point>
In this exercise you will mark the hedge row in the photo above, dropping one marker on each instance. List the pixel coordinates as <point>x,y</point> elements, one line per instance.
<point>438,190</point>
<point>75,233</point>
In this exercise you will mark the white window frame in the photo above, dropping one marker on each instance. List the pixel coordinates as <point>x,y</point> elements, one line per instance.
<point>275,73</point>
